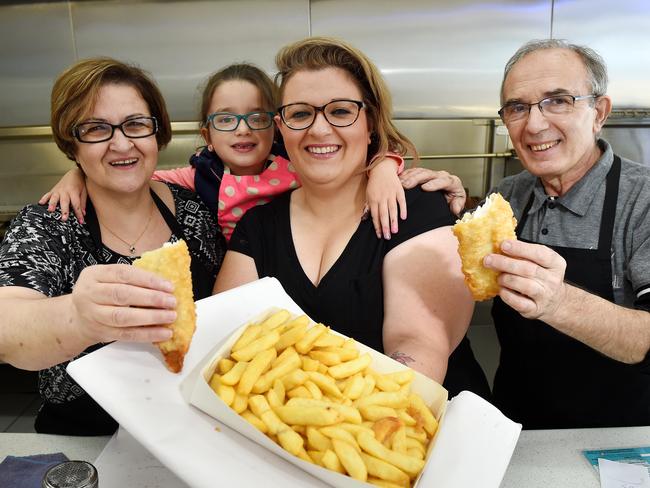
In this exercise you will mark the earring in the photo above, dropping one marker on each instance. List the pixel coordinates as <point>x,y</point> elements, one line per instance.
<point>210,148</point>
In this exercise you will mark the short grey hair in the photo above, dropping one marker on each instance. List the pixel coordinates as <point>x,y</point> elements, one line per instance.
<point>596,68</point>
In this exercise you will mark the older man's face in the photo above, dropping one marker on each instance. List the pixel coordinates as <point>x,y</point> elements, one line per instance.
<point>552,146</point>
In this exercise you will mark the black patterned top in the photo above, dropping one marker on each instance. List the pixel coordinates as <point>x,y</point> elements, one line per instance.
<point>45,254</point>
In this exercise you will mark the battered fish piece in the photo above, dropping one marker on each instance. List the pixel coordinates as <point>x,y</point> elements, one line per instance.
<point>172,262</point>
<point>480,233</point>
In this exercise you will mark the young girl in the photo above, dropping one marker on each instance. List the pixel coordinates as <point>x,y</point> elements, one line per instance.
<point>241,166</point>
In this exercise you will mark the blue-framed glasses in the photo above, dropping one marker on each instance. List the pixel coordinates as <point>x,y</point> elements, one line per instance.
<point>227,122</point>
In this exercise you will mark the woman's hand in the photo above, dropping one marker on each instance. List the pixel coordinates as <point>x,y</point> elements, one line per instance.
<point>384,195</point>
<point>117,302</point>
<point>69,191</point>
<point>431,180</point>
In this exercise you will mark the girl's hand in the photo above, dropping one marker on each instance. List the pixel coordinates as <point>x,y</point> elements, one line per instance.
<point>384,195</point>
<point>431,180</point>
<point>117,302</point>
<point>69,191</point>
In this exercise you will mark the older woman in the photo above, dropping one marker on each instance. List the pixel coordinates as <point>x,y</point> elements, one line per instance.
<point>404,296</point>
<point>66,287</point>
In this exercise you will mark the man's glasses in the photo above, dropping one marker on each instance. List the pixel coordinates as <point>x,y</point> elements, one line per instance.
<point>339,113</point>
<point>135,128</point>
<point>227,122</point>
<point>555,105</point>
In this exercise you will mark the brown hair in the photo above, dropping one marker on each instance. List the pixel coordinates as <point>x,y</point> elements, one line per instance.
<point>316,53</point>
<point>75,92</point>
<point>244,72</point>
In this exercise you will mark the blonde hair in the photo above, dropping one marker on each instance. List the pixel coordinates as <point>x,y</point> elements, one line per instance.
<point>75,93</point>
<point>316,53</point>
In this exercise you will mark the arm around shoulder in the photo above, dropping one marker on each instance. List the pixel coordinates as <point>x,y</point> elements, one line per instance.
<point>427,306</point>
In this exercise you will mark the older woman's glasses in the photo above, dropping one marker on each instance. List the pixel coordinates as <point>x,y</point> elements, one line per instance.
<point>227,122</point>
<point>135,128</point>
<point>555,105</point>
<point>339,113</point>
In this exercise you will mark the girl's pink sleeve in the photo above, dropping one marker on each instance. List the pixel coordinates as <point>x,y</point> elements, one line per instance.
<point>179,176</point>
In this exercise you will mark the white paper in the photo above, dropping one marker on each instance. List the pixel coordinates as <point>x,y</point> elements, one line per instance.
<point>132,384</point>
<point>622,475</point>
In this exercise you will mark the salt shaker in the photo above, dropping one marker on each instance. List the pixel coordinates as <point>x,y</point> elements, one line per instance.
<point>71,474</point>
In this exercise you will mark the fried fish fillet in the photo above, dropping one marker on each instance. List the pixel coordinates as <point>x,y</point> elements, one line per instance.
<point>480,233</point>
<point>172,262</point>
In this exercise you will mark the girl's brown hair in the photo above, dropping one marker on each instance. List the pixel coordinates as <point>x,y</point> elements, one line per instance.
<point>316,53</point>
<point>75,92</point>
<point>244,72</point>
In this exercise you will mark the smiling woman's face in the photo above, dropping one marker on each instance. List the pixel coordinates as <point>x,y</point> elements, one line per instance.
<point>121,164</point>
<point>324,154</point>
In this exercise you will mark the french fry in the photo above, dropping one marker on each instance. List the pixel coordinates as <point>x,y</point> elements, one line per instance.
<point>233,376</point>
<point>385,471</point>
<point>225,365</point>
<point>251,333</point>
<point>312,392</point>
<point>334,432</point>
<point>372,446</point>
<point>317,440</point>
<point>254,370</point>
<point>350,459</point>
<point>332,462</point>
<point>291,336</point>
<point>251,350</point>
<point>329,340</point>
<point>304,345</point>
<point>385,399</point>
<point>275,320</point>
<point>349,368</point>
<point>255,421</point>
<point>316,416</point>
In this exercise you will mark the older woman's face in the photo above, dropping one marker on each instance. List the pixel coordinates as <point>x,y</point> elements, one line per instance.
<point>120,164</point>
<point>323,153</point>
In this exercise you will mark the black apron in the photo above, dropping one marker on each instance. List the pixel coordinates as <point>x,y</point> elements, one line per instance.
<point>84,416</point>
<point>548,380</point>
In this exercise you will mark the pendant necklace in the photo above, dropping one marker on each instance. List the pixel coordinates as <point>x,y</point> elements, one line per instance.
<point>131,245</point>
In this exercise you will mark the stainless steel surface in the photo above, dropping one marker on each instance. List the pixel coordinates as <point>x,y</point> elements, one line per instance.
<point>441,58</point>
<point>35,45</point>
<point>618,30</point>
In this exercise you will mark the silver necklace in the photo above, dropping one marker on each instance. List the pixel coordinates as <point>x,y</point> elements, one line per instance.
<point>131,245</point>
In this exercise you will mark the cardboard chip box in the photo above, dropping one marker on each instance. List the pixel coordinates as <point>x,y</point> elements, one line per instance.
<point>472,447</point>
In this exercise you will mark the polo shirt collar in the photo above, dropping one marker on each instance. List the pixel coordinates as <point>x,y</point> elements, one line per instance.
<point>580,196</point>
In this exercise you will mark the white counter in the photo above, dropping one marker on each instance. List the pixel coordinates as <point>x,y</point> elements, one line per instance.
<point>543,458</point>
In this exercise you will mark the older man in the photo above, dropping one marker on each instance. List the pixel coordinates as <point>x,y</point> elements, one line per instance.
<point>572,314</point>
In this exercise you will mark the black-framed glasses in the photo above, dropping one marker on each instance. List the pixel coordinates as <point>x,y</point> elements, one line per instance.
<point>134,128</point>
<point>339,113</point>
<point>555,105</point>
<point>227,122</point>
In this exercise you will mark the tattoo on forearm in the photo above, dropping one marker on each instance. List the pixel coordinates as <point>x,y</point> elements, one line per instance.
<point>405,359</point>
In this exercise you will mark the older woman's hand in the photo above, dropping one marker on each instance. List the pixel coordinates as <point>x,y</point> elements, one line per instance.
<point>118,302</point>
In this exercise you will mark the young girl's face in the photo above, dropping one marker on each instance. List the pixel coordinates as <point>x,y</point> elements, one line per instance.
<point>243,150</point>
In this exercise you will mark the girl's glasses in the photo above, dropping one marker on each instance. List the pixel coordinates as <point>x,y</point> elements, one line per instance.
<point>227,122</point>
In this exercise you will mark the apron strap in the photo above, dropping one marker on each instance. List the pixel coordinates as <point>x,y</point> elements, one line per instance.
<point>609,210</point>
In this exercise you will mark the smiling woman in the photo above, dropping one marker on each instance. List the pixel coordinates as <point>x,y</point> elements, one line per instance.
<point>404,295</point>
<point>65,285</point>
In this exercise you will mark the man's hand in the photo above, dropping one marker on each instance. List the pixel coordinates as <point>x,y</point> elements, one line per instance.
<point>431,180</point>
<point>531,279</point>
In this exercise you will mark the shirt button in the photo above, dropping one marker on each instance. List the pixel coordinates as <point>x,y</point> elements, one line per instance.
<point>544,231</point>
